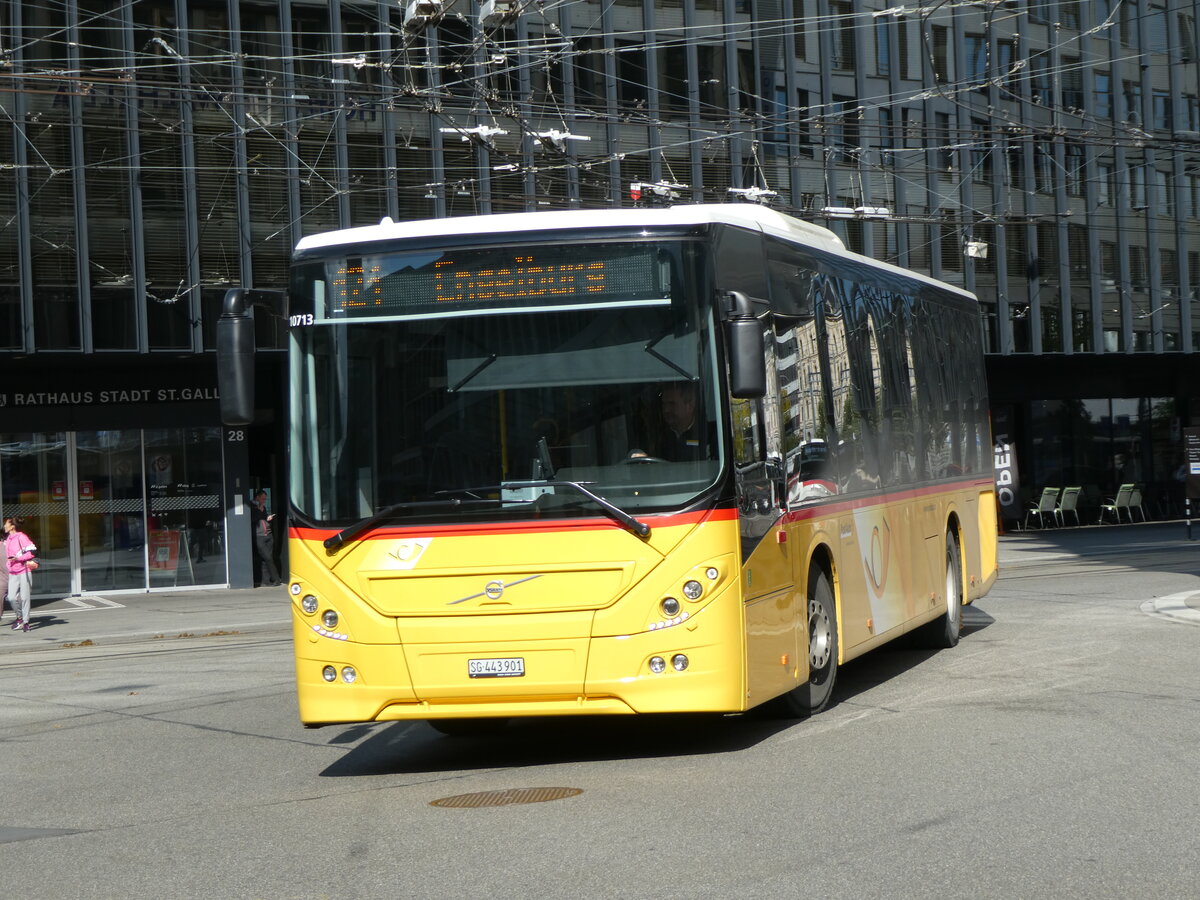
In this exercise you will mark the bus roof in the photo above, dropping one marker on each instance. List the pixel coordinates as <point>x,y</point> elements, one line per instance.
<point>746,215</point>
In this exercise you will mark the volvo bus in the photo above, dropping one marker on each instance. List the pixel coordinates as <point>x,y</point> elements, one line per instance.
<point>686,459</point>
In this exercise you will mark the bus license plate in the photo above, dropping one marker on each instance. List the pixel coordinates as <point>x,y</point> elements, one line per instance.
<point>511,667</point>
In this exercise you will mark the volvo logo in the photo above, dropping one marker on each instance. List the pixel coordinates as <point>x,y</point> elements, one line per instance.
<point>494,589</point>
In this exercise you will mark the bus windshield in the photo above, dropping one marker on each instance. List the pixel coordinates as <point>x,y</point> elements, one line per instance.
<point>479,393</point>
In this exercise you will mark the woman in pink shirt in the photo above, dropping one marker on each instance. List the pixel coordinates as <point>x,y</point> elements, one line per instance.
<point>20,551</point>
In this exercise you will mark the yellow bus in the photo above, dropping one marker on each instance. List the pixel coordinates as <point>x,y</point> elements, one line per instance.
<point>687,459</point>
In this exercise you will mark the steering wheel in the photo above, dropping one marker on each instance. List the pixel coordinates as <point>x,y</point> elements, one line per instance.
<point>630,460</point>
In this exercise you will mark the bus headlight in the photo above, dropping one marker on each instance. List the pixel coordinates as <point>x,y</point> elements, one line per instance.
<point>679,661</point>
<point>329,673</point>
<point>670,607</point>
<point>349,675</point>
<point>657,664</point>
<point>295,589</point>
<point>309,604</point>
<point>692,590</point>
<point>330,619</point>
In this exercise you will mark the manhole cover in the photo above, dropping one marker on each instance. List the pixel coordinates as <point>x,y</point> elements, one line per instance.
<point>507,798</point>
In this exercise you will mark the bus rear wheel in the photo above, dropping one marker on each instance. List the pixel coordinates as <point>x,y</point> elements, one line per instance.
<point>943,632</point>
<point>813,696</point>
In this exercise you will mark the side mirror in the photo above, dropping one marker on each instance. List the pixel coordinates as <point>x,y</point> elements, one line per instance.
<point>747,361</point>
<point>235,352</point>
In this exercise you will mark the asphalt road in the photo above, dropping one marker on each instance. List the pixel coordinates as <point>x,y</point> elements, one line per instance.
<point>1053,753</point>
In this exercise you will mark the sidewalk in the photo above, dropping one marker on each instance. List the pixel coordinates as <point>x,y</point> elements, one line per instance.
<point>1034,547</point>
<point>122,618</point>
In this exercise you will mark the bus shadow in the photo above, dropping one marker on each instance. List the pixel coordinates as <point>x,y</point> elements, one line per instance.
<point>408,747</point>
<point>897,657</point>
<point>412,747</point>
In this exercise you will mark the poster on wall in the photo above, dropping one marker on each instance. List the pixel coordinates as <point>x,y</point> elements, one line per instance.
<point>164,550</point>
<point>1191,451</point>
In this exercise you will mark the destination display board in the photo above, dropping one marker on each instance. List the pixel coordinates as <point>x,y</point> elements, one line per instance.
<point>422,283</point>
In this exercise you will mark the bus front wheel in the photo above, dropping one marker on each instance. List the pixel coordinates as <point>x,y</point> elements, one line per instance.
<point>813,696</point>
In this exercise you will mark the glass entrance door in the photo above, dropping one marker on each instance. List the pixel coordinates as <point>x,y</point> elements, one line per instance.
<point>183,487</point>
<point>34,486</point>
<point>112,510</point>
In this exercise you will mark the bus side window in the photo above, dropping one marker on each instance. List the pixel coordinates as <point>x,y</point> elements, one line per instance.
<point>852,373</point>
<point>739,263</point>
<point>748,445</point>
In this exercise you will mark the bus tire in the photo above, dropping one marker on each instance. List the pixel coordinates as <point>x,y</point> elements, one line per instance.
<point>821,621</point>
<point>467,727</point>
<point>943,632</point>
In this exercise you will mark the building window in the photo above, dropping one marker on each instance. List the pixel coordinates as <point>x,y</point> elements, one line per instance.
<point>1139,274</point>
<point>886,137</point>
<point>842,14</point>
<point>952,246</point>
<point>941,55</point>
<point>1047,249</point>
<point>1105,185</point>
<point>803,120</point>
<point>844,128</point>
<point>981,152</point>
<point>1127,23</point>
<point>1108,262</point>
<point>883,46</point>
<point>1043,166</point>
<point>1072,83</point>
<point>1187,37</point>
<point>1137,187</point>
<point>1006,52</point>
<point>1074,162</point>
<point>976,60</point>
<point>1068,14</point>
<point>1168,268</point>
<point>1039,80</point>
<point>945,143</point>
<point>1102,95</point>
<point>632,91</point>
<point>1014,163</point>
<point>1077,252</point>
<point>1164,200</point>
<point>911,123</point>
<point>1163,117</point>
<point>902,42</point>
<point>1156,30</point>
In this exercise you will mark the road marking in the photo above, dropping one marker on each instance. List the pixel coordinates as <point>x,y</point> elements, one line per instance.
<point>1174,607</point>
<point>91,601</point>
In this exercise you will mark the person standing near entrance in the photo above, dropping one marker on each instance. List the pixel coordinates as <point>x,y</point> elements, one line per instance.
<point>264,543</point>
<point>20,551</point>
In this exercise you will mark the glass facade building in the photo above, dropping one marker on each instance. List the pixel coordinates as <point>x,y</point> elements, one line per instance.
<point>1044,154</point>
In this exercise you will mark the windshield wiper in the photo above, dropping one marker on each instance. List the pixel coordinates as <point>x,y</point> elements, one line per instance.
<point>391,512</point>
<point>622,518</point>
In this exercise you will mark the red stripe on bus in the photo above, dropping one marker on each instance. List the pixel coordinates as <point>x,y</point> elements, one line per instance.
<point>538,527</point>
<point>827,507</point>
